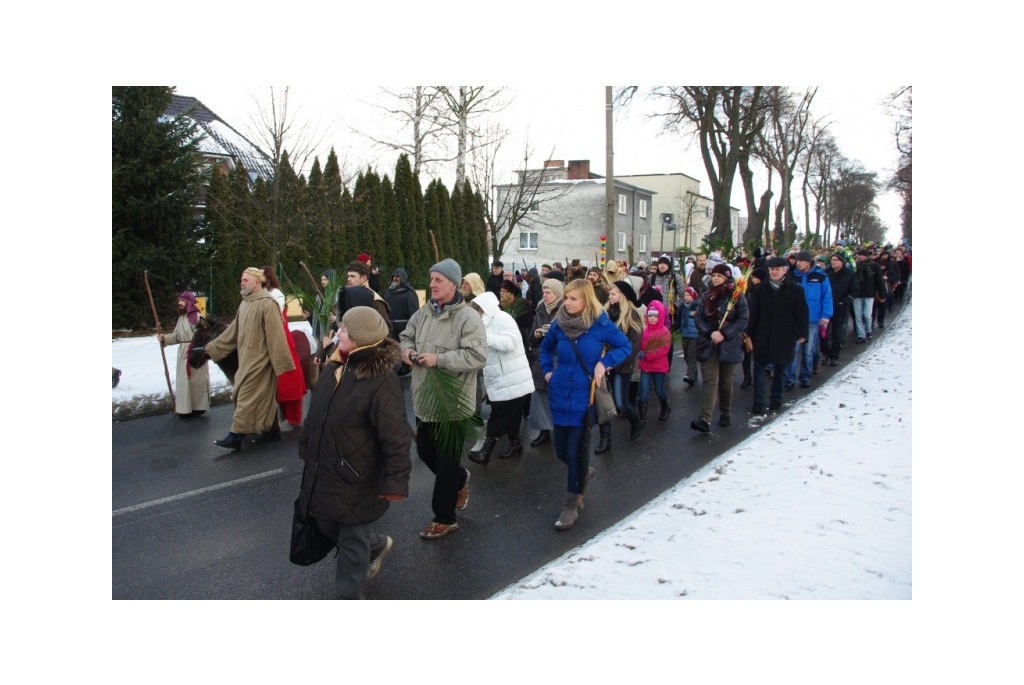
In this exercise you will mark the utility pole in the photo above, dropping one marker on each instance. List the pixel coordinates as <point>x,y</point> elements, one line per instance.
<point>609,183</point>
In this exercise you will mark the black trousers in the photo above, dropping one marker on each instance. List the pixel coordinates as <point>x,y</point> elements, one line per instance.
<point>506,418</point>
<point>444,459</point>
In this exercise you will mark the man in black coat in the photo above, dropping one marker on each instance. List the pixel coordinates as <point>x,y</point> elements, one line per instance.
<point>844,287</point>
<point>778,321</point>
<point>496,278</point>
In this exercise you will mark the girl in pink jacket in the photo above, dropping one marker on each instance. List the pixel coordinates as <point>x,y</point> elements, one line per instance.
<point>653,360</point>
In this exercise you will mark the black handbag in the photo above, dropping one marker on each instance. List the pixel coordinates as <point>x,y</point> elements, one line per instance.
<point>309,543</point>
<point>704,348</point>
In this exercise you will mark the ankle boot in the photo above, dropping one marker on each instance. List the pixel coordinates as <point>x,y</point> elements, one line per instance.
<point>484,455</point>
<point>543,438</point>
<point>641,409</point>
<point>515,448</point>
<point>665,410</point>
<point>606,438</point>
<point>570,511</point>
<point>747,381</point>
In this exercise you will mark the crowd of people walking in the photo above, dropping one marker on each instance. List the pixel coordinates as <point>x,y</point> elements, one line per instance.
<point>541,349</point>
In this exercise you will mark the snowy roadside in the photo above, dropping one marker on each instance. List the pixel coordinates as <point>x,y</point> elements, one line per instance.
<point>815,506</point>
<point>142,390</point>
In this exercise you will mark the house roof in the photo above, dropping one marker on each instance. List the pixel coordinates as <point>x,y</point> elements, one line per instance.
<point>221,139</point>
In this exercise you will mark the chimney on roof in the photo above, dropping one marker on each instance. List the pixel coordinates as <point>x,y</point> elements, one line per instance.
<point>579,169</point>
<point>554,164</point>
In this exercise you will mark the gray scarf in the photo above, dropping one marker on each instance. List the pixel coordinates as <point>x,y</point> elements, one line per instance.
<point>572,325</point>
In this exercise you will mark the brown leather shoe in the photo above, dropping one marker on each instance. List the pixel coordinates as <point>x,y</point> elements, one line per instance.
<point>436,530</point>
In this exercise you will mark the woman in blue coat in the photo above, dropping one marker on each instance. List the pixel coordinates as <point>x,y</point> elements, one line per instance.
<point>581,319</point>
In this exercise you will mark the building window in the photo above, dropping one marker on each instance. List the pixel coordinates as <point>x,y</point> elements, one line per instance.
<point>529,240</point>
<point>643,209</point>
<point>620,244</point>
<point>531,206</point>
<point>643,243</point>
<point>622,204</point>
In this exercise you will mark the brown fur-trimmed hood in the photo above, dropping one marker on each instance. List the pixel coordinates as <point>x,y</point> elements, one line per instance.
<point>375,362</point>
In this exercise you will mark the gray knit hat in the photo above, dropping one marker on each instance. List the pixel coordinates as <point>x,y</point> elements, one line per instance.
<point>557,287</point>
<point>365,326</point>
<point>450,269</point>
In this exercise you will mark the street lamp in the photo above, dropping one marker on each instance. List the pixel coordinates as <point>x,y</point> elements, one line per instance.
<point>668,223</point>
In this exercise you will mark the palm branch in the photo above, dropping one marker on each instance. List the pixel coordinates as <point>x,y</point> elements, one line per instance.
<point>321,307</point>
<point>442,398</point>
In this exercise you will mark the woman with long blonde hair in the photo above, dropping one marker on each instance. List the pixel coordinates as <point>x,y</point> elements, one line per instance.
<point>581,325</point>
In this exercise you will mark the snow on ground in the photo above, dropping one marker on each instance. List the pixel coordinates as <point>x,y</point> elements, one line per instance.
<point>817,505</point>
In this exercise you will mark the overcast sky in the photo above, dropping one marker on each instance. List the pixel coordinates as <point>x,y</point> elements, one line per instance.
<point>568,122</point>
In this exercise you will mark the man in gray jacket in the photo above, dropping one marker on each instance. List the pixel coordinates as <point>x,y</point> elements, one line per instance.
<point>444,336</point>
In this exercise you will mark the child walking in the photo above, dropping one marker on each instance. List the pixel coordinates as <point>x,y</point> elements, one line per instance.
<point>688,332</point>
<point>653,360</point>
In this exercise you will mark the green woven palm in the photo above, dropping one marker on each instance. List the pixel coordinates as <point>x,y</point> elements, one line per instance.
<point>441,397</point>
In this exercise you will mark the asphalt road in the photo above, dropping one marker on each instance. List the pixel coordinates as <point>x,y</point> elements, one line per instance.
<point>194,521</point>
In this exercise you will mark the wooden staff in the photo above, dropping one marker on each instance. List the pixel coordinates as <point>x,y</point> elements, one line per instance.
<point>316,286</point>
<point>437,255</point>
<point>167,373</point>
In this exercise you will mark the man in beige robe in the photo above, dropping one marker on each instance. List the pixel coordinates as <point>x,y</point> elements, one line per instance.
<point>258,336</point>
<point>192,386</point>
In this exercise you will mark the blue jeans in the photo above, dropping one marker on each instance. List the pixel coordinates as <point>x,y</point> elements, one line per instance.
<point>804,356</point>
<point>648,377</point>
<point>620,393</point>
<point>862,315</point>
<point>572,445</point>
<point>759,382</point>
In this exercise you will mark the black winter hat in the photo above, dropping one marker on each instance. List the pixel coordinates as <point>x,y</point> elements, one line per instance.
<point>626,288</point>
<point>776,261</point>
<point>805,256</point>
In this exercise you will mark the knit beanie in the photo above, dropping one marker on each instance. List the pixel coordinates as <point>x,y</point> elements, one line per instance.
<point>450,269</point>
<point>691,292</point>
<point>760,273</point>
<point>363,257</point>
<point>555,286</point>
<point>804,256</point>
<point>664,259</point>
<point>365,326</point>
<point>723,269</point>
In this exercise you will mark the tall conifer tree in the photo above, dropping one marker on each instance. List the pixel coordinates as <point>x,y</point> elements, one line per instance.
<point>156,178</point>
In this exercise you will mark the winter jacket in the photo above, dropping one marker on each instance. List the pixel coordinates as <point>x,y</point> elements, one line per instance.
<point>569,387</point>
<point>844,289</point>
<point>869,280</point>
<point>634,336</point>
<point>778,318</point>
<point>655,342</point>
<point>730,350</point>
<point>507,373</point>
<point>671,286</point>
<point>402,302</point>
<point>356,438</point>
<point>453,332</point>
<point>540,318</point>
<point>818,292</point>
<point>687,326</point>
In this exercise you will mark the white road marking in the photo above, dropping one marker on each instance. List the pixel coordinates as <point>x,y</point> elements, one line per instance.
<point>191,493</point>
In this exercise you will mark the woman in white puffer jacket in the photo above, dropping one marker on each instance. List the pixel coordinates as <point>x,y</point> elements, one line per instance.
<point>507,377</point>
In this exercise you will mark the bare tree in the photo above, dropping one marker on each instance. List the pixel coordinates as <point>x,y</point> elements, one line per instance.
<point>461,105</point>
<point>901,105</point>
<point>288,141</point>
<point>780,144</point>
<point>513,206</point>
<point>821,160</point>
<point>726,121</point>
<point>819,138</point>
<point>416,110</point>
